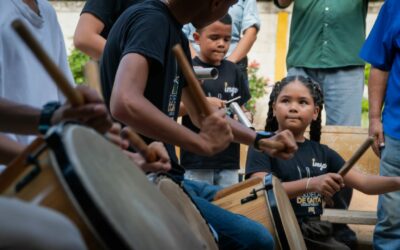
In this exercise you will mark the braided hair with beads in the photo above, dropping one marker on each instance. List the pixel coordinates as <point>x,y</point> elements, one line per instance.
<point>316,93</point>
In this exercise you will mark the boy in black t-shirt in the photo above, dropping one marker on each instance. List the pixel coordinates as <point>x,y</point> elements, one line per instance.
<point>143,88</point>
<point>214,40</point>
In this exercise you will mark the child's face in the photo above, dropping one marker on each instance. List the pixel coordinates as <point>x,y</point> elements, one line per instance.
<point>294,108</point>
<point>214,41</point>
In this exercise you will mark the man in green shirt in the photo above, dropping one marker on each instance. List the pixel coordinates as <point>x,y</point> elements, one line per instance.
<point>325,39</point>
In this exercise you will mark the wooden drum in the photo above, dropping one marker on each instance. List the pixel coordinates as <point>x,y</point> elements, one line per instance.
<point>265,201</point>
<point>91,181</point>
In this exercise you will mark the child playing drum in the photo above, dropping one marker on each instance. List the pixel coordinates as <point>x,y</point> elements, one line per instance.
<point>296,103</point>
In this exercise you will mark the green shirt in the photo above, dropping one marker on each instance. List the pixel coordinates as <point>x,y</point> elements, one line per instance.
<point>327,33</point>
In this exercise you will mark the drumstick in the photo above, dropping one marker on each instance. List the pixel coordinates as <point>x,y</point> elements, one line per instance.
<point>192,81</point>
<point>139,145</point>
<point>271,144</point>
<point>74,97</point>
<point>360,151</point>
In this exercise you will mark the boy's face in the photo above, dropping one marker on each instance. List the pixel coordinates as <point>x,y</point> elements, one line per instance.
<point>212,10</point>
<point>214,41</point>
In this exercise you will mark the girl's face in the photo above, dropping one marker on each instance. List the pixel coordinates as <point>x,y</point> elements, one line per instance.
<point>295,109</point>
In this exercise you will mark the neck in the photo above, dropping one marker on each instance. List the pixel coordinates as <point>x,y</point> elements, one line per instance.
<point>179,10</point>
<point>33,5</point>
<point>202,58</point>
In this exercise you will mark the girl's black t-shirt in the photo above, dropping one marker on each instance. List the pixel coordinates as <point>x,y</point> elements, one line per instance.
<point>311,159</point>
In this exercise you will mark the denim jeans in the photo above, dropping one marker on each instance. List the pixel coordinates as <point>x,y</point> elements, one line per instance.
<point>234,231</point>
<point>342,88</point>
<point>387,230</point>
<point>219,177</point>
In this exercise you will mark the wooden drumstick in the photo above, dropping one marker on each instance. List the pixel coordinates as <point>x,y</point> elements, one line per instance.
<point>193,83</point>
<point>74,97</point>
<point>354,158</point>
<point>272,144</point>
<point>139,145</point>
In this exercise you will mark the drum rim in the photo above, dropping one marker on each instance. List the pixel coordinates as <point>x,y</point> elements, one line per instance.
<point>276,215</point>
<point>97,219</point>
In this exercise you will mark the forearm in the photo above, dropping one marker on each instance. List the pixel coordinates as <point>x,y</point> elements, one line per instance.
<point>374,184</point>
<point>92,46</point>
<point>17,118</point>
<point>9,149</point>
<point>292,188</point>
<point>376,92</point>
<point>241,133</point>
<point>147,120</point>
<point>244,45</point>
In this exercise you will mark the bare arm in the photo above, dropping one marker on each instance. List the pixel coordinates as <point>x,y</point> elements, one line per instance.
<point>18,118</point>
<point>244,45</point>
<point>129,105</point>
<point>87,36</point>
<point>371,184</point>
<point>376,92</point>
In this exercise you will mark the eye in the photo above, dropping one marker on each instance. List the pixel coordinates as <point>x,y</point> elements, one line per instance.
<point>304,102</point>
<point>227,39</point>
<point>285,100</point>
<point>213,37</point>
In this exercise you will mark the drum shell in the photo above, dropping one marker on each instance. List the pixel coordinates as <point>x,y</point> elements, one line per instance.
<point>140,217</point>
<point>259,209</point>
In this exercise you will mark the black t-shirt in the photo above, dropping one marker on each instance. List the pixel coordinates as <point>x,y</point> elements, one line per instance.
<point>311,159</point>
<point>149,29</point>
<point>230,84</point>
<point>107,11</point>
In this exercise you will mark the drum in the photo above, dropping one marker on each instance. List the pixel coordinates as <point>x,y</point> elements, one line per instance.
<point>186,207</point>
<point>90,180</point>
<point>265,201</point>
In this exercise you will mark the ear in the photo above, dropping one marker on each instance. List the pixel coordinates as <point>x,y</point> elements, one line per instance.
<point>316,112</point>
<point>196,37</point>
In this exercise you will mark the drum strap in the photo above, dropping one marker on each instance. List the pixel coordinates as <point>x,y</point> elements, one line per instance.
<point>275,212</point>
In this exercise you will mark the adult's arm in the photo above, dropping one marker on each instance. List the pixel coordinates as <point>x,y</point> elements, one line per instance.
<point>244,45</point>
<point>376,92</point>
<point>129,105</point>
<point>87,36</point>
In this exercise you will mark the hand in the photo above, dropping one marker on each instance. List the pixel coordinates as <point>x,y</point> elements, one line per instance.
<point>93,113</point>
<point>114,135</point>
<point>327,184</point>
<point>161,165</point>
<point>282,145</point>
<point>216,102</point>
<point>215,133</point>
<point>376,130</point>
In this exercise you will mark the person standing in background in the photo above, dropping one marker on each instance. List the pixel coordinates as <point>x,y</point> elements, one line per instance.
<point>382,51</point>
<point>95,22</point>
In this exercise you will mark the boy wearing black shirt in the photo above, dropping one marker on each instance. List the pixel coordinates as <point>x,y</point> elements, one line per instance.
<point>214,40</point>
<point>143,88</point>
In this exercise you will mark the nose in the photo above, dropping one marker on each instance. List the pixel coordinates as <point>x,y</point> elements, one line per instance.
<point>293,107</point>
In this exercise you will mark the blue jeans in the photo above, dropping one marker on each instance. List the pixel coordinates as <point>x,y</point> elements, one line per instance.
<point>342,88</point>
<point>221,177</point>
<point>387,230</point>
<point>234,231</point>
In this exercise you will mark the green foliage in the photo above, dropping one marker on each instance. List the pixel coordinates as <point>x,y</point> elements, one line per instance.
<point>77,61</point>
<point>366,73</point>
<point>256,84</point>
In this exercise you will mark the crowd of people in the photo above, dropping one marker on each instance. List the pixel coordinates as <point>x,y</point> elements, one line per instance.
<point>144,88</point>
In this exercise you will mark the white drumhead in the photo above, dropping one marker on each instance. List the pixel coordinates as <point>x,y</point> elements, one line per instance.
<point>137,211</point>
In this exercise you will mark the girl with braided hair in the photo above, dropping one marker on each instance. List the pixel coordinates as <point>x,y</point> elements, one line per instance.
<point>296,103</point>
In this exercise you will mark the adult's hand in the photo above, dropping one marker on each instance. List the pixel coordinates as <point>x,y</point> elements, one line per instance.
<point>92,113</point>
<point>162,164</point>
<point>376,130</point>
<point>282,145</point>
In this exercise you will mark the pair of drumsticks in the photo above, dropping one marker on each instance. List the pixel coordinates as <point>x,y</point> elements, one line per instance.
<point>76,99</point>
